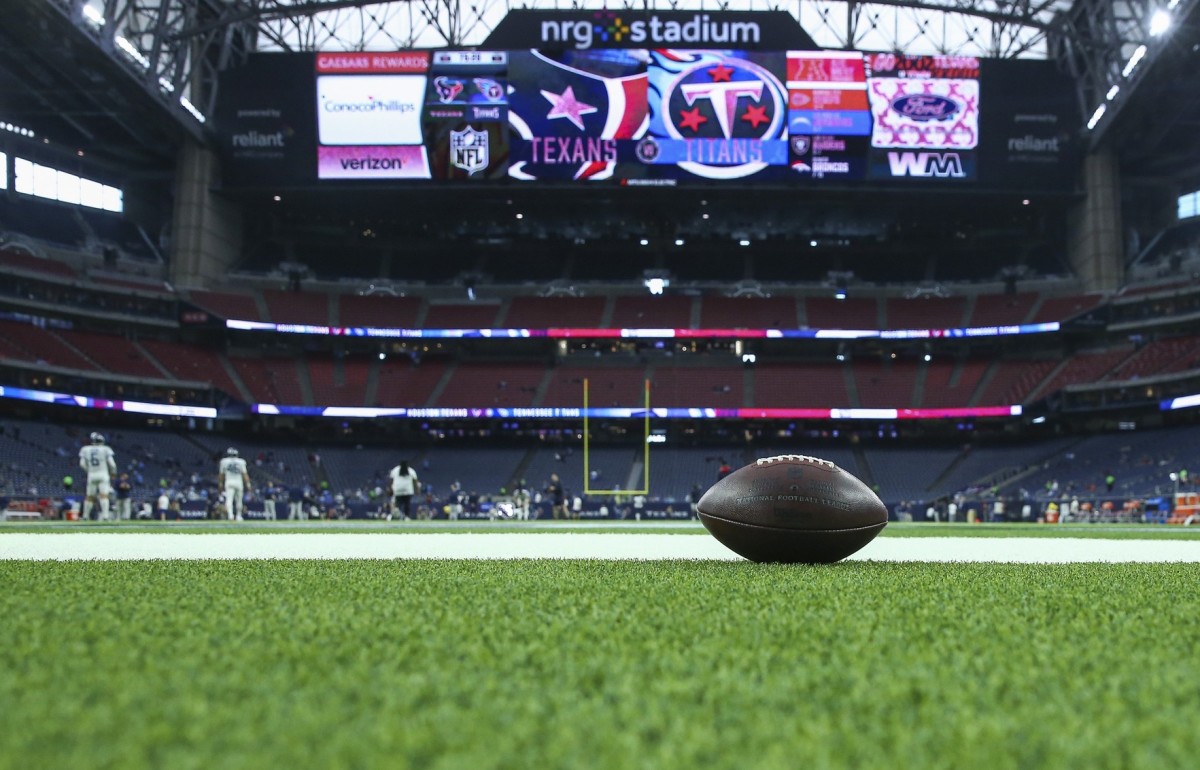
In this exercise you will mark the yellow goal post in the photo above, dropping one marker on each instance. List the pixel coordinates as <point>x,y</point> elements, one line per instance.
<point>587,466</point>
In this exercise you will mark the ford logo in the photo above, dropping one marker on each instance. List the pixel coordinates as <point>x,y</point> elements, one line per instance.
<point>925,107</point>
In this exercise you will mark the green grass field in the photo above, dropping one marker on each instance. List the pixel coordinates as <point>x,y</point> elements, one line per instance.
<point>572,664</point>
<point>894,529</point>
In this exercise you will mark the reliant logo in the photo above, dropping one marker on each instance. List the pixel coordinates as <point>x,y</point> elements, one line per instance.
<point>926,164</point>
<point>1031,143</point>
<point>258,139</point>
<point>701,29</point>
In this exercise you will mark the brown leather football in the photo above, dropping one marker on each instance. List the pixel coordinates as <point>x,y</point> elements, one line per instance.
<point>792,508</point>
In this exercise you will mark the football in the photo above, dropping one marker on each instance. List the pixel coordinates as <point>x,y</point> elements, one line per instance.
<point>792,508</point>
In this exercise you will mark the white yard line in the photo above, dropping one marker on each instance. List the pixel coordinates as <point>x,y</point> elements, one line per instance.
<point>504,545</point>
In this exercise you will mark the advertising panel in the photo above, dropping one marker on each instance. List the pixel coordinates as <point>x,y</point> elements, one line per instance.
<point>647,116</point>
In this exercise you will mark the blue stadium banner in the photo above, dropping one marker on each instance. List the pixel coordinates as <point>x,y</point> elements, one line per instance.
<point>583,30</point>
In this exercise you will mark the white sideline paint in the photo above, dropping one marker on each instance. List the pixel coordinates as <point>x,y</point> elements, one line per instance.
<point>128,546</point>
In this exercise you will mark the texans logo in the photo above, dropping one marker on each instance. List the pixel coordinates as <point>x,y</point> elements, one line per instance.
<point>448,89</point>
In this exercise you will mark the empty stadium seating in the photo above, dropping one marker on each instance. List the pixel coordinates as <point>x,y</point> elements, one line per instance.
<point>607,387</point>
<point>193,363</point>
<point>554,312</point>
<point>294,307</point>
<point>925,313</point>
<point>698,386</point>
<point>885,383</point>
<point>113,353</point>
<point>379,311</point>
<point>462,315</point>
<point>849,313</point>
<point>403,384</point>
<point>817,385</point>
<point>650,312</point>
<point>487,384</point>
<point>1002,309</point>
<point>42,345</point>
<point>748,313</point>
<point>241,307</point>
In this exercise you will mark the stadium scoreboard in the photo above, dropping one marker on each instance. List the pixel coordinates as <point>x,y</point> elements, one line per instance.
<point>578,112</point>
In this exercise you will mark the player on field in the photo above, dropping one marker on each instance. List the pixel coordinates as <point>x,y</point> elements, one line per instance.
<point>404,486</point>
<point>98,461</point>
<point>235,480</point>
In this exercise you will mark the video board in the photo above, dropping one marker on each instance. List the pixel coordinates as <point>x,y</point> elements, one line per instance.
<point>652,117</point>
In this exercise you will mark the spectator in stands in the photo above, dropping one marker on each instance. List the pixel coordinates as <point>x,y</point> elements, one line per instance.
<point>98,461</point>
<point>405,484</point>
<point>1109,481</point>
<point>723,469</point>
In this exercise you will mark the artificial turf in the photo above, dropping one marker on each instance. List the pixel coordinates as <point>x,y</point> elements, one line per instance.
<point>597,664</point>
<point>1105,531</point>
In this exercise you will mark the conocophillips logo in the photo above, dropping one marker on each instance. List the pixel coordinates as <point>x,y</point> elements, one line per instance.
<point>609,27</point>
<point>370,105</point>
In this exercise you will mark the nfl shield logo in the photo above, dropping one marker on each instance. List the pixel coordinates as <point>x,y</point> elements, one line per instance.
<point>469,150</point>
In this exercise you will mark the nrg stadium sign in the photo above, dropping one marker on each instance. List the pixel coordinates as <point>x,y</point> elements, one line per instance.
<point>587,30</point>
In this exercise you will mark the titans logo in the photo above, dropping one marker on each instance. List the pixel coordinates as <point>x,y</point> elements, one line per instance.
<point>722,117</point>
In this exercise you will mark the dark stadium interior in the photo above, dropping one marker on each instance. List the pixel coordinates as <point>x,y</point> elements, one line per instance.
<point>131,306</point>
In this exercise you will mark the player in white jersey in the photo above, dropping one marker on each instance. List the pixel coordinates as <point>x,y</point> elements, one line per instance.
<point>235,480</point>
<point>404,486</point>
<point>98,461</point>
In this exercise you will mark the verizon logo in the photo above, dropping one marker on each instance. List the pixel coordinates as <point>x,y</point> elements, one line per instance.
<point>926,164</point>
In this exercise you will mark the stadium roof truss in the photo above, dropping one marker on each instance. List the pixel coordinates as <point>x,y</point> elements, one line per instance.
<point>175,48</point>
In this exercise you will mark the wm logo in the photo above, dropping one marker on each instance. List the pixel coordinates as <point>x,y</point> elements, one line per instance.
<point>926,164</point>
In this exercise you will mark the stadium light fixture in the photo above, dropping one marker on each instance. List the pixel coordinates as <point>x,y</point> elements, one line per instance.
<point>1099,113</point>
<point>644,242</point>
<point>744,242</point>
<point>1112,93</point>
<point>1138,54</point>
<point>1160,22</point>
<point>191,108</point>
<point>678,241</point>
<point>93,15</point>
<point>131,51</point>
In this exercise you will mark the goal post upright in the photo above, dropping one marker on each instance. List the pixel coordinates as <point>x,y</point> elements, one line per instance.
<point>587,466</point>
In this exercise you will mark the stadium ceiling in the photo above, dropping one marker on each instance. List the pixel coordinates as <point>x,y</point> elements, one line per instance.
<point>91,70</point>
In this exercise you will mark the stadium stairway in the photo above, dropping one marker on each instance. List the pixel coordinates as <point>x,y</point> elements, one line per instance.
<point>243,392</point>
<point>447,375</point>
<point>153,361</point>
<point>260,302</point>
<point>610,306</point>
<point>99,366</point>
<point>371,391</point>
<point>982,385</point>
<point>304,381</point>
<point>865,472</point>
<point>851,387</point>
<point>540,394</point>
<point>917,398</point>
<point>748,388</point>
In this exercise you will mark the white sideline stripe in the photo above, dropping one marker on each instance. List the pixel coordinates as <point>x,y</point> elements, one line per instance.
<point>128,546</point>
